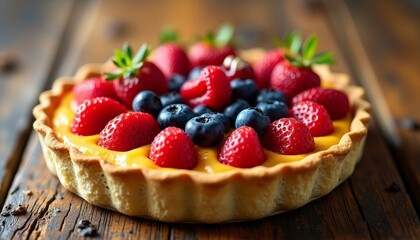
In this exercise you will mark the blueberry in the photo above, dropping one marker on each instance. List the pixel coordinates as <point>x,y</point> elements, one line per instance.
<point>221,117</point>
<point>176,115</point>
<point>195,72</point>
<point>234,108</point>
<point>171,98</point>
<point>244,89</point>
<point>205,131</point>
<point>270,94</point>
<point>255,118</point>
<point>274,109</point>
<point>201,109</point>
<point>148,102</point>
<point>175,82</point>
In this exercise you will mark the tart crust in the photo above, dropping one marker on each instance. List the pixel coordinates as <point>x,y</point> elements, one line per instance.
<point>191,196</point>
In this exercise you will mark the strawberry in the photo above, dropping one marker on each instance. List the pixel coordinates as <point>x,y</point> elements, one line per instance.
<point>211,89</point>
<point>93,114</point>
<point>295,74</point>
<point>242,149</point>
<point>173,148</point>
<point>135,74</point>
<point>289,136</point>
<point>336,102</point>
<point>314,116</point>
<point>236,67</point>
<point>212,49</point>
<point>265,66</point>
<point>170,57</point>
<point>128,131</point>
<point>93,87</point>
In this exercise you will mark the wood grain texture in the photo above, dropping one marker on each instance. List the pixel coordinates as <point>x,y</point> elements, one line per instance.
<point>31,33</point>
<point>360,208</point>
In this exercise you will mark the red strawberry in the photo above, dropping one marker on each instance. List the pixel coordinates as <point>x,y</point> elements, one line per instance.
<point>242,149</point>
<point>295,75</point>
<point>236,67</point>
<point>170,58</point>
<point>212,89</point>
<point>128,131</point>
<point>213,49</point>
<point>93,87</point>
<point>292,80</point>
<point>265,66</point>
<point>315,116</point>
<point>134,74</point>
<point>289,136</point>
<point>173,148</point>
<point>335,101</point>
<point>93,114</point>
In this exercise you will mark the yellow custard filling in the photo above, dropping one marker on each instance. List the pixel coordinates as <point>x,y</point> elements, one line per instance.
<point>207,157</point>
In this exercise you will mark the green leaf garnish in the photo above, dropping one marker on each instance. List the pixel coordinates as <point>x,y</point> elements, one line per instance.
<point>127,64</point>
<point>168,35</point>
<point>302,54</point>
<point>224,35</point>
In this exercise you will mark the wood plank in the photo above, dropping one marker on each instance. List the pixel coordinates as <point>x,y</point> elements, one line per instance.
<point>386,58</point>
<point>30,34</point>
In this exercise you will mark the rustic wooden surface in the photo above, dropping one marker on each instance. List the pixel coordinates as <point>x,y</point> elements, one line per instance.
<point>376,42</point>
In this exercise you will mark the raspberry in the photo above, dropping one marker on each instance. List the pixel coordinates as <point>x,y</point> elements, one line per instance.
<point>93,114</point>
<point>315,116</point>
<point>335,101</point>
<point>174,149</point>
<point>242,149</point>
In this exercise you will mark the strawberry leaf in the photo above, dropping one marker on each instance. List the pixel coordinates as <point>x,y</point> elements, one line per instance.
<point>324,58</point>
<point>224,35</point>
<point>168,35</point>
<point>127,64</point>
<point>293,42</point>
<point>309,47</point>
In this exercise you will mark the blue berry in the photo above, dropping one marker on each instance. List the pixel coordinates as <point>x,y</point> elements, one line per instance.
<point>270,94</point>
<point>255,118</point>
<point>201,109</point>
<point>148,102</point>
<point>205,131</point>
<point>195,72</point>
<point>244,89</point>
<point>234,108</point>
<point>274,109</point>
<point>171,98</point>
<point>176,115</point>
<point>221,117</point>
<point>175,82</point>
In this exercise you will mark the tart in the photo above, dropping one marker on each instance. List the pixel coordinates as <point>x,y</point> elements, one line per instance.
<point>210,192</point>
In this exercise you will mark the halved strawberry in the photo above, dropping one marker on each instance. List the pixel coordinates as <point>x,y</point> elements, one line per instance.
<point>134,74</point>
<point>295,74</point>
<point>242,149</point>
<point>128,131</point>
<point>212,89</point>
<point>93,87</point>
<point>336,102</point>
<point>315,116</point>
<point>289,136</point>
<point>173,148</point>
<point>93,114</point>
<point>212,49</point>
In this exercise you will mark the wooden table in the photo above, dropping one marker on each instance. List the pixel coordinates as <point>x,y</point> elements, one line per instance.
<point>376,42</point>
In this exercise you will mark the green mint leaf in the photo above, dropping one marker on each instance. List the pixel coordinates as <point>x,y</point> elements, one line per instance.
<point>323,58</point>
<point>224,35</point>
<point>309,47</point>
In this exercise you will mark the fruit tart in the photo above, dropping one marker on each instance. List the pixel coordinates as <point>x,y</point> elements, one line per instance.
<point>239,135</point>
